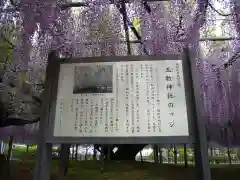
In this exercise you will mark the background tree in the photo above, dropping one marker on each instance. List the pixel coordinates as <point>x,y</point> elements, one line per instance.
<point>13,109</point>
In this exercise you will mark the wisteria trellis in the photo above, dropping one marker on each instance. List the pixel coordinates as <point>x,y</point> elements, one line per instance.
<point>97,30</point>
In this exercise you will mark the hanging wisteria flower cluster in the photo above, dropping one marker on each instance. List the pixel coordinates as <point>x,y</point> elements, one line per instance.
<point>97,29</point>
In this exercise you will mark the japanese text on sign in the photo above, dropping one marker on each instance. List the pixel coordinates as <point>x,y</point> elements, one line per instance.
<point>121,99</point>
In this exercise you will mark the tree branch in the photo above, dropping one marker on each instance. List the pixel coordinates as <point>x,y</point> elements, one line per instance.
<point>35,98</point>
<point>17,122</point>
<point>76,4</point>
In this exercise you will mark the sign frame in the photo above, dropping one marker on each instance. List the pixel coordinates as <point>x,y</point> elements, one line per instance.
<point>49,126</point>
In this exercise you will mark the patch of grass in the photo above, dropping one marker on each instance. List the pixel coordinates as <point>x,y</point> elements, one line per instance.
<point>22,153</point>
<point>115,170</point>
<point>94,170</point>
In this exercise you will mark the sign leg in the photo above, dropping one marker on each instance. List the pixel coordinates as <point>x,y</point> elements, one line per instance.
<point>44,150</point>
<point>201,144</point>
<point>43,163</point>
<point>64,158</point>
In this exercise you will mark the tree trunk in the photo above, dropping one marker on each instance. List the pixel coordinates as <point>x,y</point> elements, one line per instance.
<point>94,153</point>
<point>160,156</point>
<point>211,155</point>
<point>64,158</point>
<point>109,153</point>
<point>185,155</point>
<point>238,154</point>
<point>5,162</point>
<point>229,155</point>
<point>156,161</point>
<point>211,152</point>
<point>86,153</point>
<point>168,155</point>
<point>175,154</point>
<point>126,151</point>
<point>76,152</point>
<point>10,144</point>
<point>27,148</point>
<point>73,149</point>
<point>141,157</point>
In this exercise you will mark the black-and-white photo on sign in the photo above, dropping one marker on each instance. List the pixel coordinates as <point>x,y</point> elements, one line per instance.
<point>93,79</point>
<point>121,99</point>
